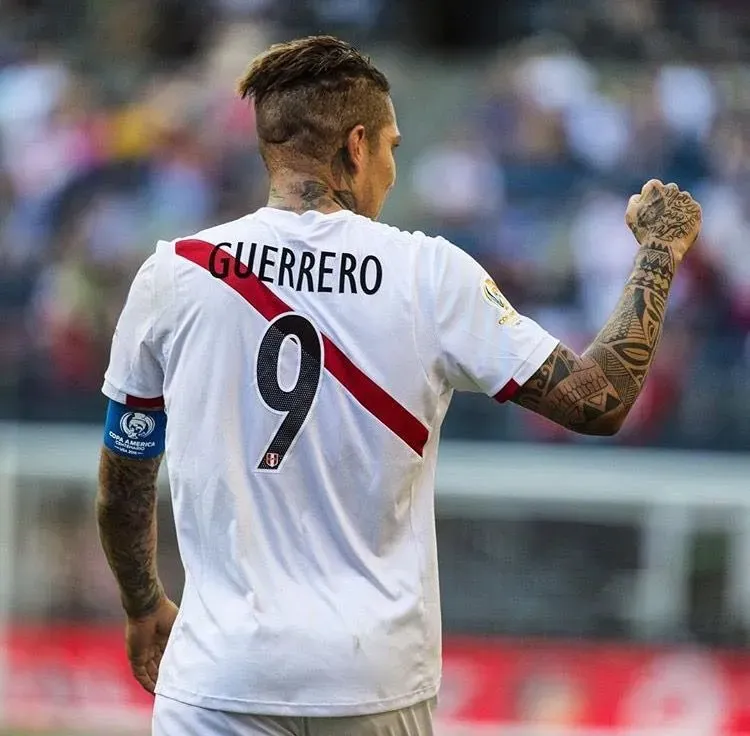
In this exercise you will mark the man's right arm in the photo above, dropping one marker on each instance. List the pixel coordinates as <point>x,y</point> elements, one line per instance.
<point>593,393</point>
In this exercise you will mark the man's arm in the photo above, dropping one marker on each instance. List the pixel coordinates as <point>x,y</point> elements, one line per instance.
<point>126,514</point>
<point>593,393</point>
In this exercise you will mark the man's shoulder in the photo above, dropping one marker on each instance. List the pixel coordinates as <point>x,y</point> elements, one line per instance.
<point>435,245</point>
<point>224,231</point>
<point>434,249</point>
<point>379,231</point>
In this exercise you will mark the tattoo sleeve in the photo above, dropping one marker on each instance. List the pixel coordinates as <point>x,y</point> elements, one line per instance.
<point>126,514</point>
<point>592,393</point>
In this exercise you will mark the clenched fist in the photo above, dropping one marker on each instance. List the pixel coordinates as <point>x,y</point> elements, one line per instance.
<point>663,214</point>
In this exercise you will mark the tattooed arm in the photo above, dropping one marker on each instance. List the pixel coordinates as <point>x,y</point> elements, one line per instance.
<point>593,393</point>
<point>126,513</point>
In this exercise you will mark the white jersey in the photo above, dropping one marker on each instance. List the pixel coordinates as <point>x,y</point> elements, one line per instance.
<point>306,363</point>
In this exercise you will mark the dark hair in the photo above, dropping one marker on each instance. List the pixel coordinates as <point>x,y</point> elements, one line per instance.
<point>310,93</point>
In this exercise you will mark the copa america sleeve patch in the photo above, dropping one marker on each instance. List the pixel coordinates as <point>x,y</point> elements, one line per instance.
<point>134,433</point>
<point>494,297</point>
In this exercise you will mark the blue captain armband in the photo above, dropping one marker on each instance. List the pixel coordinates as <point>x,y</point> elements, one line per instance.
<point>136,433</point>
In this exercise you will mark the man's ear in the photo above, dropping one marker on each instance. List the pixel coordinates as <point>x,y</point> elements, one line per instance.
<point>355,149</point>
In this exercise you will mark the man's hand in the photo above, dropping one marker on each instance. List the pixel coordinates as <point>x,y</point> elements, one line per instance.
<point>146,640</point>
<point>666,216</point>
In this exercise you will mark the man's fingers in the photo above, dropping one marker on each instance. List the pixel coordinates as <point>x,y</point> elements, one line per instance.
<point>652,190</point>
<point>146,672</point>
<point>152,669</point>
<point>650,186</point>
<point>631,210</point>
<point>144,678</point>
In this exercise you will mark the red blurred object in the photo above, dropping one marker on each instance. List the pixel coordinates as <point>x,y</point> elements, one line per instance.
<point>75,678</point>
<point>580,687</point>
<point>78,678</point>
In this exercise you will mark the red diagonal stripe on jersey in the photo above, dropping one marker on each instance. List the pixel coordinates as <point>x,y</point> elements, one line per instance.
<point>371,396</point>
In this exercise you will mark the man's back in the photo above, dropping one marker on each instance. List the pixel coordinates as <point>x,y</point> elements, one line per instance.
<point>306,373</point>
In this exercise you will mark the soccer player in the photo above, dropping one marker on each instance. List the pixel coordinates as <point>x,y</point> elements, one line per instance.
<point>305,356</point>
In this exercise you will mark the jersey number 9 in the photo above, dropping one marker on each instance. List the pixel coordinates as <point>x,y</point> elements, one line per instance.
<point>295,403</point>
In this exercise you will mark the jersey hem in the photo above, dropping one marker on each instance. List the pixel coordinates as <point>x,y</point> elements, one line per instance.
<point>113,393</point>
<point>302,710</point>
<point>151,403</point>
<point>531,364</point>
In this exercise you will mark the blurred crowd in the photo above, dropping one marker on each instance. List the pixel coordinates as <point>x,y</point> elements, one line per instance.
<point>540,171</point>
<point>99,160</point>
<point>113,138</point>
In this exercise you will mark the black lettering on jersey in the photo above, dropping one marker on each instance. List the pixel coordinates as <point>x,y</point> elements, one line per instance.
<point>312,271</point>
<point>348,265</point>
<point>218,261</point>
<point>266,261</point>
<point>305,269</point>
<point>378,275</point>
<point>324,271</point>
<point>285,266</point>
<point>242,271</point>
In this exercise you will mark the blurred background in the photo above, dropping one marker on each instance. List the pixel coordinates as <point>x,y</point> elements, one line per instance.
<point>589,586</point>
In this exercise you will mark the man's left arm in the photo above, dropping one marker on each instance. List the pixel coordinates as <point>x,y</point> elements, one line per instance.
<point>134,442</point>
<point>126,515</point>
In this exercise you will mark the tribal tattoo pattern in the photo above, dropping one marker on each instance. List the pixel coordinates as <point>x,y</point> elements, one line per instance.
<point>592,394</point>
<point>126,514</point>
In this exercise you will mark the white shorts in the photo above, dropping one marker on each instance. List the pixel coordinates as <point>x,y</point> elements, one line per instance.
<point>172,718</point>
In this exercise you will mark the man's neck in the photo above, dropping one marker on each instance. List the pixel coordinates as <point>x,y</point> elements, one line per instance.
<point>303,193</point>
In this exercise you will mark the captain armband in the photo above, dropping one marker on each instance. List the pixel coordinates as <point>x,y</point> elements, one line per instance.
<point>135,433</point>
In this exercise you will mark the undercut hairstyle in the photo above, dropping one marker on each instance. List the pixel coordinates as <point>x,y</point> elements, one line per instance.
<point>309,94</point>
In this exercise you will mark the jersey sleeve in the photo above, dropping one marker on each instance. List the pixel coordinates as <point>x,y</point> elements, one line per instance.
<point>482,344</point>
<point>135,375</point>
